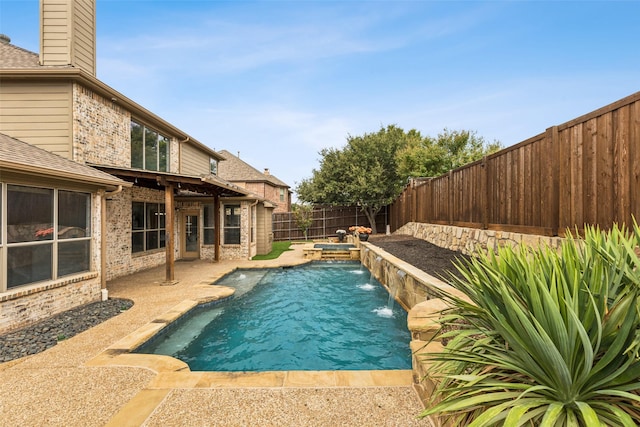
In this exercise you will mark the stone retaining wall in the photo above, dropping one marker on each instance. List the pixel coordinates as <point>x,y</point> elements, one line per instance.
<point>470,240</point>
<point>418,292</point>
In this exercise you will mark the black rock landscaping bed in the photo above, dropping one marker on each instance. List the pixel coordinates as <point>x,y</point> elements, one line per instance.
<point>48,332</point>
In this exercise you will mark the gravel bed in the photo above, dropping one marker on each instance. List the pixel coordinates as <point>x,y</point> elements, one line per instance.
<point>46,333</point>
<point>434,260</point>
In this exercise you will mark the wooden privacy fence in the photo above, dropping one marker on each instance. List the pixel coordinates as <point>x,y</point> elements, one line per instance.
<point>326,220</point>
<point>585,171</point>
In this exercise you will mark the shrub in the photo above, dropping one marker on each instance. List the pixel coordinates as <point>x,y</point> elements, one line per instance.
<point>550,337</point>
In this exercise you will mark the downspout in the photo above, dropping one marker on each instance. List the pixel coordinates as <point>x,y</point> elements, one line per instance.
<point>103,240</point>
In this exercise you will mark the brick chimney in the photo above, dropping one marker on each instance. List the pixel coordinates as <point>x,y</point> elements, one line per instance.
<point>266,171</point>
<point>68,33</point>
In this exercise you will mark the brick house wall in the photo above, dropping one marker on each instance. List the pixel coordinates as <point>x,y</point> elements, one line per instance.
<point>26,305</point>
<point>33,303</point>
<point>241,251</point>
<point>270,193</point>
<point>102,132</point>
<point>120,260</point>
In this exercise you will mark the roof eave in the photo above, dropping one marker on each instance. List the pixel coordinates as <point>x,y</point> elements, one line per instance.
<point>109,93</point>
<point>111,183</point>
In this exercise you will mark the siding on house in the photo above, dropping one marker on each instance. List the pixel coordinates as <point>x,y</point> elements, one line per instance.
<point>193,161</point>
<point>68,34</point>
<point>264,229</point>
<point>38,113</point>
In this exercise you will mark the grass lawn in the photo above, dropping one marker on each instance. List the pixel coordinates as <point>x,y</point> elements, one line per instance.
<point>276,249</point>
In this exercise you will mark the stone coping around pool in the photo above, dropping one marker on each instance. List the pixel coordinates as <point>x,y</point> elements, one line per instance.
<point>174,373</point>
<point>121,352</point>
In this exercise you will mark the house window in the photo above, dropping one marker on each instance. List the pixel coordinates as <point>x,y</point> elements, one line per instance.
<point>282,194</point>
<point>147,226</point>
<point>213,166</point>
<point>74,230</point>
<point>232,224</point>
<point>149,149</point>
<point>48,234</point>
<point>209,226</point>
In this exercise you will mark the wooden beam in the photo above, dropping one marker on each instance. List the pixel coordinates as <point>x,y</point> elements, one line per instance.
<point>169,232</point>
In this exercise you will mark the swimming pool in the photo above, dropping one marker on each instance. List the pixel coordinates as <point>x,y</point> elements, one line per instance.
<point>320,316</point>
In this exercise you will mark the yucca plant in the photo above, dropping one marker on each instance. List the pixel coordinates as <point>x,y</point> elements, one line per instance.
<point>550,338</point>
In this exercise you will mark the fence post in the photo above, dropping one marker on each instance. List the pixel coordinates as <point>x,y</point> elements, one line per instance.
<point>450,197</point>
<point>552,134</point>
<point>324,223</point>
<point>485,186</point>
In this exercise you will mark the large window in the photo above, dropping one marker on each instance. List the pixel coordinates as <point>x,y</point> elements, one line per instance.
<point>209,226</point>
<point>48,234</point>
<point>149,149</point>
<point>147,226</point>
<point>232,224</point>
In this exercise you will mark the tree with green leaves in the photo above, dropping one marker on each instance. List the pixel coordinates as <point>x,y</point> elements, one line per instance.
<point>363,173</point>
<point>303,216</point>
<point>436,156</point>
<point>372,169</point>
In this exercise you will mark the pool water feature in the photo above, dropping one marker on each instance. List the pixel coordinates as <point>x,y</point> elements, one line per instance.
<point>320,316</point>
<point>334,246</point>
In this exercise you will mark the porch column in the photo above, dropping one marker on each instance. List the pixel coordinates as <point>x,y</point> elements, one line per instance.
<point>216,230</point>
<point>169,231</point>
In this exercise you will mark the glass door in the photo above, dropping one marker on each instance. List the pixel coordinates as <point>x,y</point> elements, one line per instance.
<point>190,235</point>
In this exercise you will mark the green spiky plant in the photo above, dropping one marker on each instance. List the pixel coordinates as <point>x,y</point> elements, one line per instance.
<point>550,338</point>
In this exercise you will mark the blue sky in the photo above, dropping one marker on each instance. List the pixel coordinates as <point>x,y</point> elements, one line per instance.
<point>279,80</point>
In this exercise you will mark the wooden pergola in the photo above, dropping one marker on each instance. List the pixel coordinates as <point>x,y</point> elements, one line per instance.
<point>187,185</point>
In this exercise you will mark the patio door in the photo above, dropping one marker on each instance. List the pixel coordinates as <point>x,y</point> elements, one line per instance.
<point>190,247</point>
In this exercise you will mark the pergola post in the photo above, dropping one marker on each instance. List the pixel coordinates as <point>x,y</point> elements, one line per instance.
<point>216,230</point>
<point>169,232</point>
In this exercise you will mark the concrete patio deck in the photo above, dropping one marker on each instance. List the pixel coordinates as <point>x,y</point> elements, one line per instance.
<point>88,381</point>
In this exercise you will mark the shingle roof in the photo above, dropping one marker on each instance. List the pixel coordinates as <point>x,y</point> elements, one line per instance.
<point>233,169</point>
<point>20,156</point>
<point>14,57</point>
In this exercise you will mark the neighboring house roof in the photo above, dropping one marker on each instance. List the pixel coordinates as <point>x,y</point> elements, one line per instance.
<point>19,156</point>
<point>19,63</point>
<point>233,169</point>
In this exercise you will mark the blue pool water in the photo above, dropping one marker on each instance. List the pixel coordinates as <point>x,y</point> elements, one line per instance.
<point>321,316</point>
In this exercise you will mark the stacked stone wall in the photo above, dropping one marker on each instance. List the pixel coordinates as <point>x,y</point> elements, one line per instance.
<point>470,240</point>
